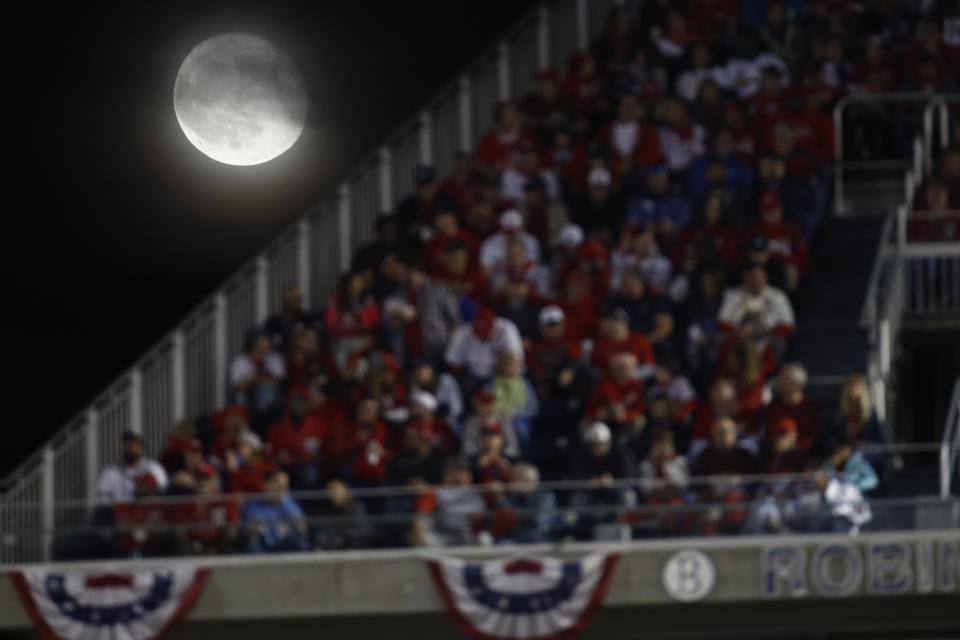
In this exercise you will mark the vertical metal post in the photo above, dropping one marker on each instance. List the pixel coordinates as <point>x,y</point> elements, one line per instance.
<point>386,180</point>
<point>48,508</point>
<point>92,452</point>
<point>582,26</point>
<point>262,289</point>
<point>466,116</point>
<point>220,356</point>
<point>177,378</point>
<point>503,71</point>
<point>343,225</point>
<point>927,144</point>
<point>136,401</point>
<point>902,222</point>
<point>918,161</point>
<point>426,138</point>
<point>543,37</point>
<point>838,160</point>
<point>304,260</point>
<point>885,346</point>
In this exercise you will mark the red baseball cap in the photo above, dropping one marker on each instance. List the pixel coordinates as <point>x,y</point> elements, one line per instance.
<point>770,200</point>
<point>205,471</point>
<point>483,323</point>
<point>784,425</point>
<point>491,427</point>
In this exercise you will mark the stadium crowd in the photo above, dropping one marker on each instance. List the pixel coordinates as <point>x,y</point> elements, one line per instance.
<point>604,290</point>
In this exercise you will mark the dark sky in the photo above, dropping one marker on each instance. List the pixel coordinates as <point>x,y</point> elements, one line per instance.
<point>117,226</point>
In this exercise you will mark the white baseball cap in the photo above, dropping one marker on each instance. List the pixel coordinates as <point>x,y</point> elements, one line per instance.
<point>424,400</point>
<point>551,314</point>
<point>597,433</point>
<point>511,219</point>
<point>599,177</point>
<point>571,235</point>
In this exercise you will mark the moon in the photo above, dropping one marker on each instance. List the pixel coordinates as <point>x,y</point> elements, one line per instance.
<point>239,100</point>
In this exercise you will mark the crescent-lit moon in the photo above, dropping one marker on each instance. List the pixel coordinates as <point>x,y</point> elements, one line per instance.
<point>239,100</point>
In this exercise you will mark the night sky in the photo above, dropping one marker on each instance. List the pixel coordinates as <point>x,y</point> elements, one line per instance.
<point>118,226</point>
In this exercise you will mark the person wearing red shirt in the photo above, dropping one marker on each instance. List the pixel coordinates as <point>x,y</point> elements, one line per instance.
<point>785,241</point>
<point>456,271</point>
<point>582,91</point>
<point>579,305</point>
<point>747,365</point>
<point>247,466</point>
<point>631,143</point>
<point>446,225</point>
<point>464,183</point>
<point>708,233</point>
<point>792,403</point>
<point>141,522</point>
<point>614,337</point>
<point>722,402</point>
<point>208,524</point>
<point>782,454</point>
<point>619,398</point>
<point>496,147</point>
<point>181,444</point>
<point>352,317</point>
<point>365,448</point>
<point>295,441</point>
<point>552,352</point>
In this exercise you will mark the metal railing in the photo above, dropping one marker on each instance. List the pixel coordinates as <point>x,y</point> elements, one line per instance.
<point>184,374</point>
<point>933,118</point>
<point>950,445</point>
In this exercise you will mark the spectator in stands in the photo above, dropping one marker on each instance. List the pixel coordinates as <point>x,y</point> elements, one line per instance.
<point>689,82</point>
<point>485,414</point>
<point>614,337</point>
<point>496,147</point>
<point>184,449</point>
<point>292,316</point>
<point>599,462</point>
<point>663,472</point>
<point>493,253</point>
<point>533,508</point>
<point>437,309</point>
<point>758,311</point>
<point>247,466</point>
<point>275,522</point>
<point>933,218</point>
<point>791,402</point>
<point>117,482</point>
<point>649,313</point>
<point>619,398</point>
<point>757,251</point>
<point>414,212</point>
<point>710,234</point>
<point>209,524</point>
<point>419,458</point>
<point>851,466</point>
<point>631,143</point>
<point>599,211</point>
<point>785,241</point>
<point>723,456</point>
<point>474,347</point>
<point>782,453</point>
<point>681,139</point>
<point>662,207</point>
<point>387,239</point>
<point>542,109</point>
<point>446,229</point>
<point>518,304</point>
<point>459,506</point>
<point>351,319</point>
<point>747,364</point>
<point>442,386</point>
<point>514,397</point>
<point>857,421</point>
<point>343,520</point>
<point>296,441</point>
<point>737,175</point>
<point>256,379</point>
<point>490,464</point>
<point>304,357</point>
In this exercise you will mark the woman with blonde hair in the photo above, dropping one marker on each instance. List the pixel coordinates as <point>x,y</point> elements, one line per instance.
<point>856,419</point>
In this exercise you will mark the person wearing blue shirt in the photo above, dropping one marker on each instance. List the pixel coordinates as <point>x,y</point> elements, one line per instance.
<point>659,205</point>
<point>275,522</point>
<point>851,466</point>
<point>736,176</point>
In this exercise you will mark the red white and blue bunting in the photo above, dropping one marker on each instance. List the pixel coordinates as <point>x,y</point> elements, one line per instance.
<point>523,598</point>
<point>93,605</point>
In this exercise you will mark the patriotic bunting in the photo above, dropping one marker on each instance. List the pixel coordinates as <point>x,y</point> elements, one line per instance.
<point>524,598</point>
<point>93,605</point>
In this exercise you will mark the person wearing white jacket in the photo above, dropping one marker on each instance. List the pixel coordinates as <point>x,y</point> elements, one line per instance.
<point>757,309</point>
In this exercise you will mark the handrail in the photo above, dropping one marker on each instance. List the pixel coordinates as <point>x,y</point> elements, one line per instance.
<point>950,445</point>
<point>867,98</point>
<point>536,13</point>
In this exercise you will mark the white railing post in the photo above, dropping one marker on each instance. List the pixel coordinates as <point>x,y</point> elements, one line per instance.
<point>466,115</point>
<point>343,225</point>
<point>304,259</point>
<point>425,140</point>
<point>92,452</point>
<point>838,157</point>
<point>136,401</point>
<point>262,289</point>
<point>503,71</point>
<point>386,179</point>
<point>543,37</point>
<point>885,347</point>
<point>919,166</point>
<point>582,26</point>
<point>178,380</point>
<point>48,508</point>
<point>902,225</point>
<point>220,355</point>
